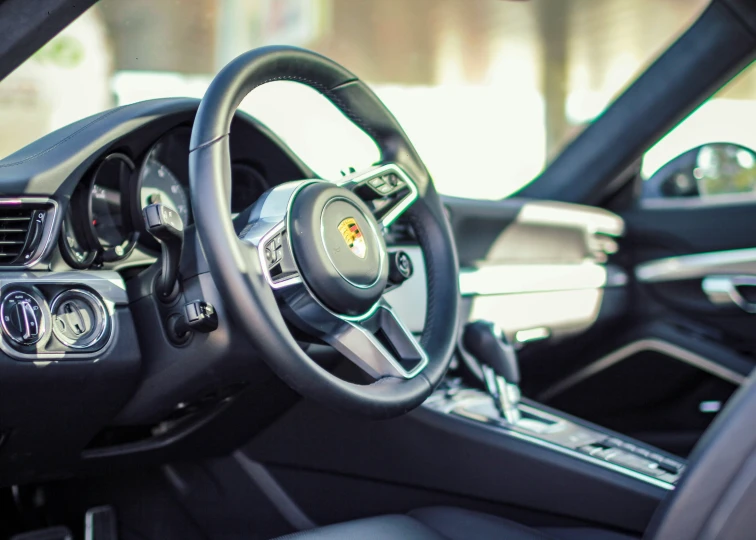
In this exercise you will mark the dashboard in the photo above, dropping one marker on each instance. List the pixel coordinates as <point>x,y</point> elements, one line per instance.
<point>89,376</point>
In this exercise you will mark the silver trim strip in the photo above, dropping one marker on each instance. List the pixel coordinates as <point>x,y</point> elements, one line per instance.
<point>697,266</point>
<point>650,344</point>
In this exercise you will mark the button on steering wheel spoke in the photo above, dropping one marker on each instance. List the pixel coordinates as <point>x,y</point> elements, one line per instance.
<point>266,231</point>
<point>387,189</point>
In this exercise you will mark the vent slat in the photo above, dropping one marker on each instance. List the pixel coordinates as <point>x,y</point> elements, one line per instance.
<point>14,228</point>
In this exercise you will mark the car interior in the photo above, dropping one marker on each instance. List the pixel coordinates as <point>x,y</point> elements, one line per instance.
<point>204,339</point>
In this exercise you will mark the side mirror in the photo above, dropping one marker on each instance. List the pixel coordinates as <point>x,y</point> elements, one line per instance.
<point>705,171</point>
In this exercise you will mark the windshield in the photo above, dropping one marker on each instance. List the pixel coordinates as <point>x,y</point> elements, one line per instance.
<point>489,91</point>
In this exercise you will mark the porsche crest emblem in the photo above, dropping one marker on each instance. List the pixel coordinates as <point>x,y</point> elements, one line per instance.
<point>352,235</point>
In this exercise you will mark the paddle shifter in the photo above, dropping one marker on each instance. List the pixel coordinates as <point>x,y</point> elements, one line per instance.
<point>498,360</point>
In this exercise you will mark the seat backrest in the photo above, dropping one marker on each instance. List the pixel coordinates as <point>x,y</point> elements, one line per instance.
<point>716,497</point>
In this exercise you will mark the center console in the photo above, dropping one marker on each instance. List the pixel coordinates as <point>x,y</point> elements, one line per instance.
<point>559,432</point>
<point>500,408</point>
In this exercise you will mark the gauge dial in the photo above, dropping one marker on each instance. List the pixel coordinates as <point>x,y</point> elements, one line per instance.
<point>160,185</point>
<point>109,212</point>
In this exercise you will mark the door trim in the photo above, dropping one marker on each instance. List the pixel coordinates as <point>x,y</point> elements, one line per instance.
<point>650,344</point>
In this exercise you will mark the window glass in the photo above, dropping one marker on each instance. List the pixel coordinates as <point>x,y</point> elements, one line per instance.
<point>488,90</point>
<point>726,117</point>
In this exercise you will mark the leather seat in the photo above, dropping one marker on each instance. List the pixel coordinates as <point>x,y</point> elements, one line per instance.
<point>714,500</point>
<point>445,523</point>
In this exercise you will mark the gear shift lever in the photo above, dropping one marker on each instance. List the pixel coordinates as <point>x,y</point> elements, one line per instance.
<point>498,361</point>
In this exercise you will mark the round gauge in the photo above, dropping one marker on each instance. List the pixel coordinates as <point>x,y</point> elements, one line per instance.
<point>160,185</point>
<point>98,226</point>
<point>74,253</point>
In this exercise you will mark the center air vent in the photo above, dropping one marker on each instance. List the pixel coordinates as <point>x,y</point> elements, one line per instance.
<point>22,230</point>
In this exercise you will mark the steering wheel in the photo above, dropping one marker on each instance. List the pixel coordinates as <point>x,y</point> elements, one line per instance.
<point>312,253</point>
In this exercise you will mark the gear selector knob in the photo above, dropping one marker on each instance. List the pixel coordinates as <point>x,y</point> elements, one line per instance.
<point>489,346</point>
<point>498,361</point>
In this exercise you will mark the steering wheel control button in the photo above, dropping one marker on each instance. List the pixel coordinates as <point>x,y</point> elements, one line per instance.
<point>400,267</point>
<point>79,319</point>
<point>23,317</point>
<point>341,254</point>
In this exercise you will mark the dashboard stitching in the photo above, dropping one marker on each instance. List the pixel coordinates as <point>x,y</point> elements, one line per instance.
<point>72,135</point>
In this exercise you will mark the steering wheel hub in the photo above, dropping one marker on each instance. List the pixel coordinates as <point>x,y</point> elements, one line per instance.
<point>339,250</point>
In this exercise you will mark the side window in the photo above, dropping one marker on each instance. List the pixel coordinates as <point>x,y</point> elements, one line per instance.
<point>710,157</point>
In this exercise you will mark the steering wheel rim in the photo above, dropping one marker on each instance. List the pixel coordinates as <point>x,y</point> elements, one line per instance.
<point>245,281</point>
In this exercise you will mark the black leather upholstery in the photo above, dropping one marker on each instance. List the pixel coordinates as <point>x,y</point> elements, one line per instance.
<point>445,523</point>
<point>717,496</point>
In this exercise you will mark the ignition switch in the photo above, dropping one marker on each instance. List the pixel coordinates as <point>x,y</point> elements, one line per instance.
<point>79,319</point>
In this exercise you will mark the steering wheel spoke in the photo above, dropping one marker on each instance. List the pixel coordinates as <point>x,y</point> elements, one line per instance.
<point>378,342</point>
<point>386,189</point>
<point>266,233</point>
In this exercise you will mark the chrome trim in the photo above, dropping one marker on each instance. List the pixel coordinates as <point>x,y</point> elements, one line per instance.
<point>46,243</point>
<point>96,304</point>
<point>697,266</point>
<point>707,201</point>
<point>650,344</point>
<point>41,326</point>
<point>723,290</point>
<point>380,170</point>
<point>534,278</point>
<point>271,219</point>
<point>107,284</point>
<point>376,237</point>
<point>291,280</point>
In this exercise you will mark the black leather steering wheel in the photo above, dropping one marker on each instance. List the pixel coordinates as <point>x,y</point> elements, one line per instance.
<point>312,253</point>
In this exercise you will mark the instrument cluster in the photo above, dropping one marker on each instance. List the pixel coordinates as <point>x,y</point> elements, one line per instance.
<point>103,223</point>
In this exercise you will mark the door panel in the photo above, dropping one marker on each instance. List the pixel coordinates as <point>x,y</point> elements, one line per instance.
<point>632,343</point>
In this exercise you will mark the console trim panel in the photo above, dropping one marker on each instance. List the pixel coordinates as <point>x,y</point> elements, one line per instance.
<point>452,409</point>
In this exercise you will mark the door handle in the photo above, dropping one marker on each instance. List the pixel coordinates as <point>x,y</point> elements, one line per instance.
<point>723,290</point>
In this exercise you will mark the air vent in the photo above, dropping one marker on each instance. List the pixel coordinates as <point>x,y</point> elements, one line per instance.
<point>22,230</point>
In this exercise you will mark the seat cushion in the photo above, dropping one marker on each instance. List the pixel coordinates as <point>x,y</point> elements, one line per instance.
<point>444,523</point>
<point>459,524</point>
<point>389,527</point>
<point>438,523</point>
